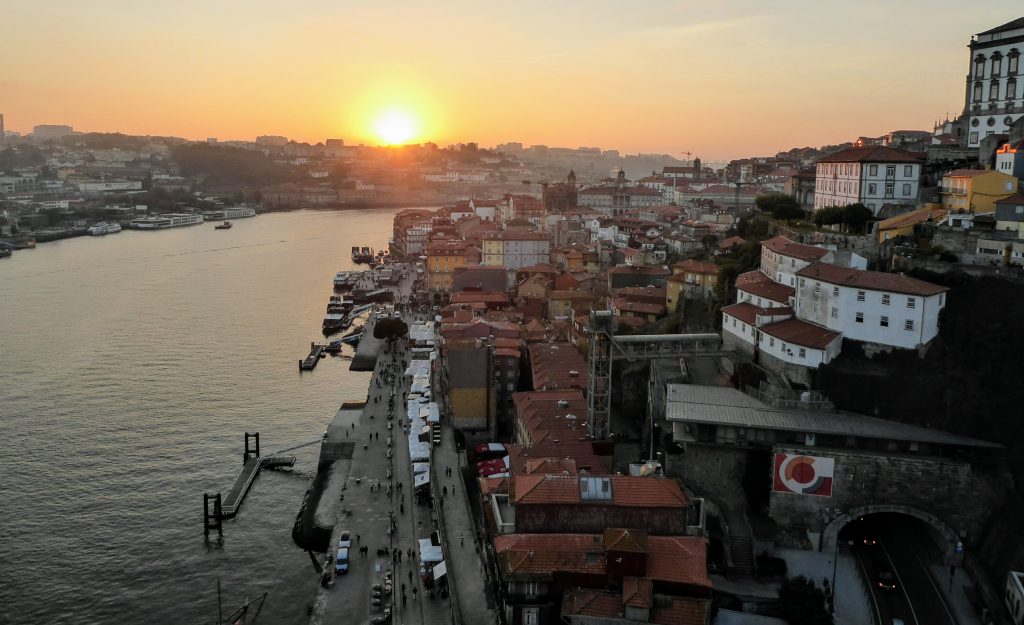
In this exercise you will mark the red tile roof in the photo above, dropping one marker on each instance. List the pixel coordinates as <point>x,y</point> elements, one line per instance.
<point>873,154</point>
<point>747,312</point>
<point>870,280</point>
<point>637,592</point>
<point>1016,198</point>
<point>726,244</point>
<point>627,491</point>
<point>966,173</point>
<point>801,333</point>
<point>786,247</point>
<point>682,611</point>
<point>540,555</point>
<point>696,266</point>
<point>627,540</point>
<point>593,603</point>
<point>680,559</point>
<point>758,284</point>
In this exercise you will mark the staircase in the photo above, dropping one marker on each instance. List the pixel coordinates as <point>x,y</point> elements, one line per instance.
<point>742,549</point>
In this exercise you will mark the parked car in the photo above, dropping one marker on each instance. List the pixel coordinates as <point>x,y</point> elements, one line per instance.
<point>345,541</point>
<point>341,562</point>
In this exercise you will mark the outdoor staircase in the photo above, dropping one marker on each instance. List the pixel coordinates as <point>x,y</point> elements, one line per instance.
<point>743,564</point>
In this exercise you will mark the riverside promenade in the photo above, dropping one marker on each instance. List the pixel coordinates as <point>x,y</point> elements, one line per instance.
<point>373,492</point>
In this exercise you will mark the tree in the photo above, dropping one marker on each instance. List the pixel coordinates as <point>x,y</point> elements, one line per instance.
<point>709,241</point>
<point>802,603</point>
<point>780,205</point>
<point>853,216</point>
<point>390,330</point>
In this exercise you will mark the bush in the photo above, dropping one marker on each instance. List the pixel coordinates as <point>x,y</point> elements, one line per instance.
<point>780,205</point>
<point>803,603</point>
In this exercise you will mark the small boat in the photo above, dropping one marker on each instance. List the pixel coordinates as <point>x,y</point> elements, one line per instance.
<point>5,252</point>
<point>362,254</point>
<point>224,226</point>
<point>335,322</point>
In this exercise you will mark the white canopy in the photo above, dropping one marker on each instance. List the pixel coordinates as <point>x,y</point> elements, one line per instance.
<point>440,570</point>
<point>419,452</point>
<point>420,467</point>
<point>420,479</point>
<point>430,552</point>
<point>430,412</point>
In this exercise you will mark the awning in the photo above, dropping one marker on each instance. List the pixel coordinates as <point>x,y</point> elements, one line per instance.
<point>430,552</point>
<point>420,467</point>
<point>440,570</point>
<point>421,479</point>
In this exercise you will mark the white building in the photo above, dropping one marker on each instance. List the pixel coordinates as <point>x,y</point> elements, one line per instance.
<point>870,175</point>
<point>870,306</point>
<point>107,187</point>
<point>514,250</point>
<point>995,87</point>
<point>618,197</point>
<point>782,258</point>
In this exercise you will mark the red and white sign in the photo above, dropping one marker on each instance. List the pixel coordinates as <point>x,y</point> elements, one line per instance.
<point>803,475</point>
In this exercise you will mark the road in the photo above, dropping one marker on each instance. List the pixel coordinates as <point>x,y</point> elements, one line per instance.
<point>899,544</point>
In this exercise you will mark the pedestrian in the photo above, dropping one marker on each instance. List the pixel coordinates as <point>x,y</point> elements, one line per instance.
<point>378,436</point>
<point>371,436</point>
<point>462,540</point>
<point>410,576</point>
<point>403,588</point>
<point>415,592</point>
<point>403,600</point>
<point>444,491</point>
<point>401,508</point>
<point>357,537</point>
<point>346,433</point>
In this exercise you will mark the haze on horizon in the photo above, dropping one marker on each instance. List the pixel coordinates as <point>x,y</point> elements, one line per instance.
<point>720,80</point>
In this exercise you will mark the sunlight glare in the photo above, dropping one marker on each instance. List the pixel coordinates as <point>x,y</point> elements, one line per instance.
<point>395,127</point>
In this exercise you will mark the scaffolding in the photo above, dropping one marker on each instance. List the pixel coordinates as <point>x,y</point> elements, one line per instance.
<point>599,384</point>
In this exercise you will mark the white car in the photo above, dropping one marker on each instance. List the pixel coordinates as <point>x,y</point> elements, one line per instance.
<point>345,541</point>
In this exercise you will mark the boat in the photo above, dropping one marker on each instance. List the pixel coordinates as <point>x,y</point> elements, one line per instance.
<point>5,252</point>
<point>335,322</point>
<point>234,212</point>
<point>362,254</point>
<point>342,279</point>
<point>104,227</point>
<point>18,242</point>
<point>167,220</point>
<point>224,226</point>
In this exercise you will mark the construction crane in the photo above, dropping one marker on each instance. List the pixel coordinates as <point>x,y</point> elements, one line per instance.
<point>688,155</point>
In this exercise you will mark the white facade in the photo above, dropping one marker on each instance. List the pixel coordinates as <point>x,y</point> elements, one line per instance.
<point>871,184</point>
<point>995,83</point>
<point>795,354</point>
<point>873,316</point>
<point>104,187</point>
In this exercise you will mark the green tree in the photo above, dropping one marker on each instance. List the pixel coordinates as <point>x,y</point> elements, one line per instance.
<point>390,330</point>
<point>709,241</point>
<point>802,603</point>
<point>780,205</point>
<point>854,216</point>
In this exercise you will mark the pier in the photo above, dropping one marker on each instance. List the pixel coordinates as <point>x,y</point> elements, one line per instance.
<point>310,362</point>
<point>252,461</point>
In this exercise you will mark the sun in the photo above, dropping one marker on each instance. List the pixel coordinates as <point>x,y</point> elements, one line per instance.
<point>395,127</point>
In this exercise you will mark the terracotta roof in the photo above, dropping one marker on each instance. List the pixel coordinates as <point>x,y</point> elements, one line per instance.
<point>680,559</point>
<point>1016,198</point>
<point>730,242</point>
<point>616,190</point>
<point>627,491</point>
<point>637,592</point>
<point>631,541</point>
<point>911,218</point>
<point>631,305</point>
<point>760,285</point>
<point>697,266</point>
<point>786,247</point>
<point>747,312</point>
<point>539,555</point>
<point>870,280</point>
<point>872,154</point>
<point>801,333</point>
<point>682,611</point>
<point>967,173</point>
<point>593,603</point>
<point>651,270</point>
<point>466,297</point>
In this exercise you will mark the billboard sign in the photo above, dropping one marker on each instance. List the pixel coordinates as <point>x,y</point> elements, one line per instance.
<point>803,475</point>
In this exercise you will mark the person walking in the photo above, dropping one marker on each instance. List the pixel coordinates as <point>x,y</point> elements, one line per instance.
<point>444,491</point>
<point>415,592</point>
<point>462,540</point>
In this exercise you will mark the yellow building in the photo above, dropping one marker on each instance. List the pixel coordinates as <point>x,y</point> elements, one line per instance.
<point>903,225</point>
<point>674,286</point>
<point>699,277</point>
<point>975,190</point>
<point>443,257</point>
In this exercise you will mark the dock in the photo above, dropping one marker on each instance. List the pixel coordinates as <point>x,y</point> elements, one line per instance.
<point>310,362</point>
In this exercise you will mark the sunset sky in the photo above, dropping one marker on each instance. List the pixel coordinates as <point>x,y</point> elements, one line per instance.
<point>719,79</point>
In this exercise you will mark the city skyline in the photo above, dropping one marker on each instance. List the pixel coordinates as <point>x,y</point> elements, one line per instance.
<point>580,74</point>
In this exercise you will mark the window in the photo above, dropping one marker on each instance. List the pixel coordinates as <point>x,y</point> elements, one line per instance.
<point>908,171</point>
<point>890,171</point>
<point>1011,90</point>
<point>872,189</point>
<point>817,287</point>
<point>911,302</point>
<point>860,317</point>
<point>835,291</point>
<point>885,299</point>
<point>801,282</point>
<point>883,321</point>
<point>835,312</point>
<point>860,296</point>
<point>890,189</point>
<point>979,66</point>
<point>997,63</point>
<point>906,188</point>
<point>873,170</point>
<point>973,138</point>
<point>531,616</point>
<point>993,90</point>
<point>734,322</point>
<point>771,342</point>
<point>1013,62</point>
<point>977,92</point>
<point>908,325</point>
<point>803,353</point>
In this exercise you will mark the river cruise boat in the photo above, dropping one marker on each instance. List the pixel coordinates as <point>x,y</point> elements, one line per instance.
<point>362,254</point>
<point>104,227</point>
<point>234,212</point>
<point>169,220</point>
<point>335,322</point>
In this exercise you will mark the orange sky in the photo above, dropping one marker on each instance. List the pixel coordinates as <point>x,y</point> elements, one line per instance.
<point>719,79</point>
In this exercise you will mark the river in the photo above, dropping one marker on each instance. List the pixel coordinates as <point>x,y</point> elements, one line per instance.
<point>130,367</point>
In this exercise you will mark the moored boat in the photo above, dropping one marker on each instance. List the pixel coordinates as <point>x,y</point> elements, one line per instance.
<point>104,227</point>
<point>168,220</point>
<point>224,226</point>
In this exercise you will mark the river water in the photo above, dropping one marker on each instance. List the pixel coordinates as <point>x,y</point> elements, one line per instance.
<point>130,367</point>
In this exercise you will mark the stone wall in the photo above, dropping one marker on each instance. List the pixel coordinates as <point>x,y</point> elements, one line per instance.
<point>795,374</point>
<point>713,471</point>
<point>942,492</point>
